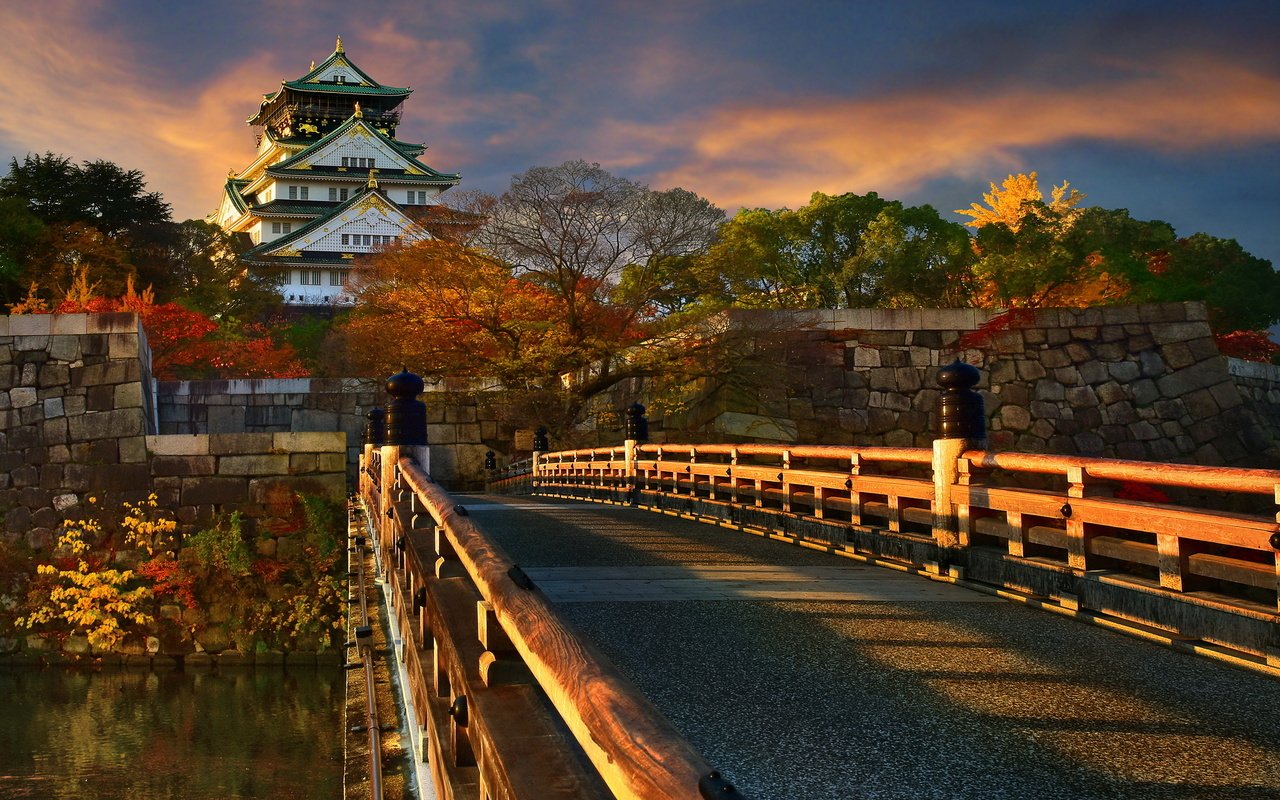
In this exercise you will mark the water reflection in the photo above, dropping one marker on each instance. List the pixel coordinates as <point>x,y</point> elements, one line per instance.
<point>115,734</point>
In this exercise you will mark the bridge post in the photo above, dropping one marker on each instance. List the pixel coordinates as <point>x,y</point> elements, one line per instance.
<point>637,431</point>
<point>375,433</point>
<point>961,426</point>
<point>541,446</point>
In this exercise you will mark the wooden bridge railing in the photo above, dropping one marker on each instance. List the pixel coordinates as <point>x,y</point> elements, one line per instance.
<point>495,674</point>
<point>1069,515</point>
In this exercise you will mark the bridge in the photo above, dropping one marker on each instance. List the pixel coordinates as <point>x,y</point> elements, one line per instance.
<point>835,622</point>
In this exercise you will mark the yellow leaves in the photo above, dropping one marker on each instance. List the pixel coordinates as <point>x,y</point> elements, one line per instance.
<point>1016,197</point>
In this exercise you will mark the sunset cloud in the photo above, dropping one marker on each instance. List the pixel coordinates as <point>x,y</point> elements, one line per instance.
<point>745,154</point>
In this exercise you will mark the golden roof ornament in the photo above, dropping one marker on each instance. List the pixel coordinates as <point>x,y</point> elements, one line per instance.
<point>373,181</point>
<point>313,66</point>
<point>339,49</point>
<point>359,113</point>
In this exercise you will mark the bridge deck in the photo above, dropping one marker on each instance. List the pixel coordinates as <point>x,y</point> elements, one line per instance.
<point>803,675</point>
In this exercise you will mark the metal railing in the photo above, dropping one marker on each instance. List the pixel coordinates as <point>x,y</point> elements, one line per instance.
<point>364,646</point>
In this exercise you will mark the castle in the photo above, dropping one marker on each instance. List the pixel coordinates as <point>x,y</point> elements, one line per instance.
<point>330,182</point>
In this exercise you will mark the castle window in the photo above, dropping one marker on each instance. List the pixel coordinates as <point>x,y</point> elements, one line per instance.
<point>310,277</point>
<point>346,239</point>
<point>333,195</point>
<point>286,227</point>
<point>275,227</point>
<point>342,194</point>
<point>293,192</point>
<point>339,78</point>
<point>337,277</point>
<point>303,192</point>
<point>422,198</point>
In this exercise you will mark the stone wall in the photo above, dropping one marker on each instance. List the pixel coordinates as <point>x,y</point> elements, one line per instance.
<point>76,419</point>
<point>460,428</point>
<point>1141,382</point>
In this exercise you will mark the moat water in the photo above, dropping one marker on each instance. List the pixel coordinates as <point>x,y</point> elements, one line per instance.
<point>152,735</point>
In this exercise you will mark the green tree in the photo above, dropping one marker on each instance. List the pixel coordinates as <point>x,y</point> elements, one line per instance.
<point>207,275</point>
<point>839,251</point>
<point>20,232</point>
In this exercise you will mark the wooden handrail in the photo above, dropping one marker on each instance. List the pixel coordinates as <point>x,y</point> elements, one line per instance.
<point>637,752</point>
<point>1228,479</point>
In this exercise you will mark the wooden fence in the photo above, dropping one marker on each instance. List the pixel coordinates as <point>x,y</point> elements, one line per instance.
<point>1000,517</point>
<point>513,702</point>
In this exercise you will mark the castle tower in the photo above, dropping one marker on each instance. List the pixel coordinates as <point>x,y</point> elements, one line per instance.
<point>330,181</point>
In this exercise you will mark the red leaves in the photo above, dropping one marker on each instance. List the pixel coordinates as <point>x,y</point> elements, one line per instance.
<point>1248,345</point>
<point>170,579</point>
<point>186,344</point>
<point>986,334</point>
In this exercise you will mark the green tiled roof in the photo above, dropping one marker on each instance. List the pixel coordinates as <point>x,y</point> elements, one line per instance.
<point>259,253</point>
<point>233,187</point>
<point>285,168</point>
<point>347,88</point>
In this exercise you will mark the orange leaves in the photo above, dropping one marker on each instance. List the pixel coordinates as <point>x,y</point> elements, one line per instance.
<point>188,344</point>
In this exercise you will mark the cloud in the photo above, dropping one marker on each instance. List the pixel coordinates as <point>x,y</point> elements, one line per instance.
<point>748,154</point>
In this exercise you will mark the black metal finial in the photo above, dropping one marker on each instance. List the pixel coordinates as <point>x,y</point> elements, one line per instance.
<point>540,442</point>
<point>406,417</point>
<point>375,433</point>
<point>636,426</point>
<point>961,411</point>
<point>490,460</point>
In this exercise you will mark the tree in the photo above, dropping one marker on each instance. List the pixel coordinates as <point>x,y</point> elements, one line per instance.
<point>206,266</point>
<point>97,215</point>
<point>20,231</point>
<point>854,251</point>
<point>1064,257</point>
<point>1018,196</point>
<point>97,193</point>
<point>574,229</point>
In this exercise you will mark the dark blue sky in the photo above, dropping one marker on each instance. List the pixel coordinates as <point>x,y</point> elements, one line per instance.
<point>1168,109</point>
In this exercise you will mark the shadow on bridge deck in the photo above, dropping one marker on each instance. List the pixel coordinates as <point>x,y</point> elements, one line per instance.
<point>806,676</point>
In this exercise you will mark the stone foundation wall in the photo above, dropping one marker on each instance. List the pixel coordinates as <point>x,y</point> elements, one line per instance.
<point>460,429</point>
<point>1140,382</point>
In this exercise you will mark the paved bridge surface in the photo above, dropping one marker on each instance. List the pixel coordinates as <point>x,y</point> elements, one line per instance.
<point>807,675</point>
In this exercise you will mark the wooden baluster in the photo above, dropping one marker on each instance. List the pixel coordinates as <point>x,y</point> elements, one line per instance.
<point>855,497</point>
<point>786,484</point>
<point>895,513</point>
<point>1076,553</point>
<point>693,479</point>
<point>819,495</point>
<point>733,475</point>
<point>964,522</point>
<point>1275,654</point>
<point>1017,534</point>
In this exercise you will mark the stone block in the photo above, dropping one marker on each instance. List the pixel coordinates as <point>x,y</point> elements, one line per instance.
<point>128,395</point>
<point>332,462</point>
<point>306,419</point>
<point>22,397</point>
<point>178,445</point>
<point>309,442</point>
<point>113,322</point>
<point>182,465</point>
<point>54,432</point>
<point>226,419</point>
<point>260,464</point>
<point>1168,332</point>
<point>73,404</point>
<point>54,375</point>
<point>53,407</point>
<point>231,444</point>
<point>1015,418</point>
<point>1200,376</point>
<point>214,490</point>
<point>133,449</point>
<point>276,417</point>
<point>123,345</point>
<point>333,487</point>
<point>93,426</point>
<point>31,343</point>
<point>1124,371</point>
<point>100,398</point>
<point>30,324</point>
<point>303,463</point>
<point>1145,392</point>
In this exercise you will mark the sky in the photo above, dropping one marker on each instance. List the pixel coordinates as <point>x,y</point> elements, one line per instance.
<point>1169,109</point>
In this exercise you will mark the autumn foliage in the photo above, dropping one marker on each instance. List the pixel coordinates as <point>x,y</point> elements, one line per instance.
<point>185,344</point>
